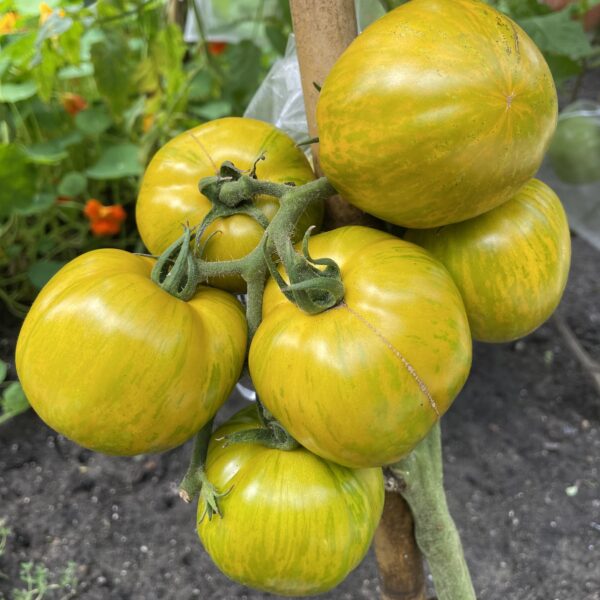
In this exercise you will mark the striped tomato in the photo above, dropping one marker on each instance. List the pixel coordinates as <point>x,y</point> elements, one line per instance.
<point>439,111</point>
<point>510,264</point>
<point>109,359</point>
<point>362,383</point>
<point>169,195</point>
<point>293,523</point>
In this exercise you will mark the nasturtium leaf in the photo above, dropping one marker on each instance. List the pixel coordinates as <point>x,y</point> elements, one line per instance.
<point>121,160</point>
<point>40,272</point>
<point>93,121</point>
<point>85,69</point>
<point>13,401</point>
<point>18,181</point>
<point>212,110</point>
<point>46,153</point>
<point>72,184</point>
<point>558,33</point>
<point>15,92</point>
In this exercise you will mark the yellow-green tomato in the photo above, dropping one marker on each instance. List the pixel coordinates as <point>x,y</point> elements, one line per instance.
<point>437,112</point>
<point>362,383</point>
<point>169,195</point>
<point>293,523</point>
<point>116,364</point>
<point>511,264</point>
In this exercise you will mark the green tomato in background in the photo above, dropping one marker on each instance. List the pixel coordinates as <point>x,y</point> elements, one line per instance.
<point>575,149</point>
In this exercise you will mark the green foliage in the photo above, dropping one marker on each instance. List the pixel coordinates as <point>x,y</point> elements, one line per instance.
<point>12,403</point>
<point>87,95</point>
<point>559,35</point>
<point>36,580</point>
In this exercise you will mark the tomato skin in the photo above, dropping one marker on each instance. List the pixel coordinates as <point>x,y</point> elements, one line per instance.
<point>169,195</point>
<point>362,383</point>
<point>118,365</point>
<point>575,149</point>
<point>439,111</point>
<point>293,523</point>
<point>510,264</point>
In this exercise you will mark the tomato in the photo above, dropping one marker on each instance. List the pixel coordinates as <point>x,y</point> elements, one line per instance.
<point>293,523</point>
<point>575,149</point>
<point>510,264</point>
<point>439,111</point>
<point>362,383</point>
<point>169,193</point>
<point>118,365</point>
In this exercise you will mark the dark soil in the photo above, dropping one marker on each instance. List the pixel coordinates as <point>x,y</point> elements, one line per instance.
<point>522,451</point>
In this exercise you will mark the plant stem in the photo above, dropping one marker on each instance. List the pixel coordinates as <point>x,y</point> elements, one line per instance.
<point>192,481</point>
<point>254,299</point>
<point>435,530</point>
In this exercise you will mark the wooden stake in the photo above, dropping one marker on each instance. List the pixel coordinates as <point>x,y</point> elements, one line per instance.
<point>324,28</point>
<point>400,561</point>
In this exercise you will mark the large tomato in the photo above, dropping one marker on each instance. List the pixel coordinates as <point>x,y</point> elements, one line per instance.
<point>109,359</point>
<point>439,111</point>
<point>169,193</point>
<point>510,264</point>
<point>293,523</point>
<point>362,383</point>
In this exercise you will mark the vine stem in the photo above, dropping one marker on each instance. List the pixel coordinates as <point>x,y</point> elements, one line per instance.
<point>193,478</point>
<point>435,531</point>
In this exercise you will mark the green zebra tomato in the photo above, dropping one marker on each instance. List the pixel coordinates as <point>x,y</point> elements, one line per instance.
<point>169,195</point>
<point>118,365</point>
<point>293,523</point>
<point>437,112</point>
<point>510,264</point>
<point>362,383</point>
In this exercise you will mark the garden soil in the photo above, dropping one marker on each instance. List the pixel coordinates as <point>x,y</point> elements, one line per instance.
<point>522,455</point>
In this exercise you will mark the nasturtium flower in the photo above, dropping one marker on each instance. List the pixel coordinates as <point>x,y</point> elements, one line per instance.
<point>104,220</point>
<point>8,22</point>
<point>46,11</point>
<point>73,103</point>
<point>216,48</point>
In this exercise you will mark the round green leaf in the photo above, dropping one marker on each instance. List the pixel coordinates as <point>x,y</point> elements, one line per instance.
<point>18,181</point>
<point>93,121</point>
<point>40,272</point>
<point>46,153</point>
<point>121,160</point>
<point>39,203</point>
<point>14,92</point>
<point>72,184</point>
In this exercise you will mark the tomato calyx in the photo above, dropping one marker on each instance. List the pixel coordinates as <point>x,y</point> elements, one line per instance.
<point>272,434</point>
<point>312,289</point>
<point>176,270</point>
<point>196,483</point>
<point>233,191</point>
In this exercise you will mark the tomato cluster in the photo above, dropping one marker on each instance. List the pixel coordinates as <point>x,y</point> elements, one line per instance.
<point>438,133</point>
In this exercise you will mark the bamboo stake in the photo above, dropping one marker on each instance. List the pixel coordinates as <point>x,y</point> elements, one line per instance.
<point>323,29</point>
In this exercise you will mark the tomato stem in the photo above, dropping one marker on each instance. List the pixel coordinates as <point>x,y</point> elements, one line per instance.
<point>178,276</point>
<point>194,477</point>
<point>312,288</point>
<point>435,530</point>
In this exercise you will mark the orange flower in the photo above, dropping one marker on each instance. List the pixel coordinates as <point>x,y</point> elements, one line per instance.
<point>216,48</point>
<point>104,220</point>
<point>8,22</point>
<point>73,103</point>
<point>147,122</point>
<point>46,11</point>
